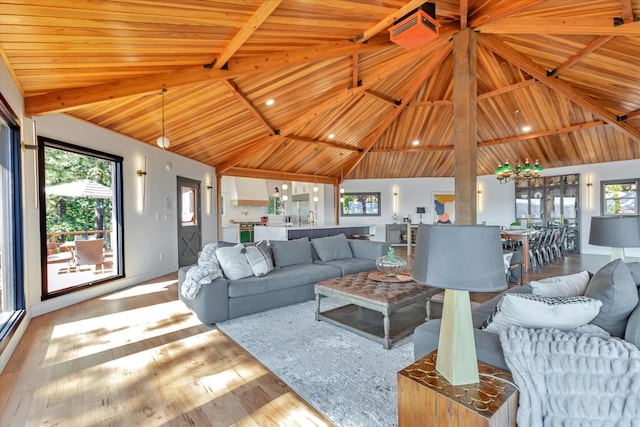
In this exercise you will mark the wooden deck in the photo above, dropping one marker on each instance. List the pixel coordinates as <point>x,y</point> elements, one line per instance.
<point>139,357</point>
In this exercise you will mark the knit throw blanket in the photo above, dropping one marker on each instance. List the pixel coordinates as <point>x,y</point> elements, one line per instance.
<point>207,270</point>
<point>573,378</point>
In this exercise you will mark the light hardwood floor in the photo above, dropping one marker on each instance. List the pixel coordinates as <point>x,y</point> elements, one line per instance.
<point>138,357</point>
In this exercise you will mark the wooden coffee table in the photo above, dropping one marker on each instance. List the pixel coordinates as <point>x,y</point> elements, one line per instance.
<point>387,298</point>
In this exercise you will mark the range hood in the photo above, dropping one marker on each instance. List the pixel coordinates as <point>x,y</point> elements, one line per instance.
<point>249,192</point>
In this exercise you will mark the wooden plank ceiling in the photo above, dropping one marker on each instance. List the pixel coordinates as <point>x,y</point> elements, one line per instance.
<point>348,102</point>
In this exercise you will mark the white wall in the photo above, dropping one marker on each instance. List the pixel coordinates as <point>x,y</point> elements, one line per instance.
<point>150,236</point>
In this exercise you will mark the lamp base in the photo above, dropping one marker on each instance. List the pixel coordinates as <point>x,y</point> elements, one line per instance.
<point>457,360</point>
<point>617,253</point>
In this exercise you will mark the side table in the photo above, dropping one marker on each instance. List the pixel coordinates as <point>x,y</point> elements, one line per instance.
<point>427,399</point>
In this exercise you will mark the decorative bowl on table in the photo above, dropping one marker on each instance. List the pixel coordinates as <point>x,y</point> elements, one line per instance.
<point>391,264</point>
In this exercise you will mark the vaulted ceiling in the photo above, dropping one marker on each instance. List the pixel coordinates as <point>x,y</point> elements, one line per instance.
<point>348,102</point>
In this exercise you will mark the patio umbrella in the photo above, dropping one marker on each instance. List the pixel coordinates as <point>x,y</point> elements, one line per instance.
<point>82,188</point>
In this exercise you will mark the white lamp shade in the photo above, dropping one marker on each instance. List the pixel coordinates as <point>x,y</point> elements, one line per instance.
<point>460,257</point>
<point>163,142</point>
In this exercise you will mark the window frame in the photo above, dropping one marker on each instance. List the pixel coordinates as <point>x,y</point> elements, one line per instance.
<point>361,194</point>
<point>8,328</point>
<point>603,198</point>
<point>118,212</point>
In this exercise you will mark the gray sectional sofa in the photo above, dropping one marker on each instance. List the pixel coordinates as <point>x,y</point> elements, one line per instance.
<point>617,285</point>
<point>297,266</point>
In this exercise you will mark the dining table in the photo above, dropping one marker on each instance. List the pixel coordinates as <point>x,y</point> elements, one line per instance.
<point>522,235</point>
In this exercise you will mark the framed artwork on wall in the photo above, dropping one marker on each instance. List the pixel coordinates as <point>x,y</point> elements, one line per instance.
<point>444,207</point>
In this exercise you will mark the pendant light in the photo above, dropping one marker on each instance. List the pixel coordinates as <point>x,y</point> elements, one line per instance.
<point>162,141</point>
<point>341,187</point>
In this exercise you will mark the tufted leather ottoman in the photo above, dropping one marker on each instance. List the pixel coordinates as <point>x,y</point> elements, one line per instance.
<point>383,297</point>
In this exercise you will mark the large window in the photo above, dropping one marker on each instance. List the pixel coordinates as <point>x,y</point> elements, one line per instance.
<point>620,197</point>
<point>81,219</point>
<point>12,304</point>
<point>361,204</point>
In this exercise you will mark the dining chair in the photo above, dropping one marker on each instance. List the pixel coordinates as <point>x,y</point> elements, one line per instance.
<point>89,252</point>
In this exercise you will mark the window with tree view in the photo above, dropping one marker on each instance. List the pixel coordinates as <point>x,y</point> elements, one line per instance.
<point>620,197</point>
<point>82,217</point>
<point>361,204</point>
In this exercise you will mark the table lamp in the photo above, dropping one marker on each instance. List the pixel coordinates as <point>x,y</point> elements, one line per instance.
<point>421,211</point>
<point>459,259</point>
<point>618,232</point>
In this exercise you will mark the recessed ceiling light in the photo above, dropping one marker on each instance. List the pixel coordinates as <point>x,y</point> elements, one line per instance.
<point>331,136</point>
<point>416,142</point>
<point>526,128</point>
<point>270,102</point>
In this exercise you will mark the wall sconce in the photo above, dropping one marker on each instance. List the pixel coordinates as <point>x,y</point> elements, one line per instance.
<point>589,185</point>
<point>395,200</point>
<point>142,173</point>
<point>209,197</point>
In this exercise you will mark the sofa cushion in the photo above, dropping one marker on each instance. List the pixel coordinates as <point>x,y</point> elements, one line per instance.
<point>332,247</point>
<point>534,311</point>
<point>234,262</point>
<point>259,258</point>
<point>632,331</point>
<point>571,285</point>
<point>613,284</point>
<point>291,252</point>
<point>282,278</point>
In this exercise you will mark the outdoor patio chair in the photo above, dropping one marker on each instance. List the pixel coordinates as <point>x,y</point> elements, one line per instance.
<point>89,252</point>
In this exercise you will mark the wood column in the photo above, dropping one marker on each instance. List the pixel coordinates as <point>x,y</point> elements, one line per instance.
<point>465,104</point>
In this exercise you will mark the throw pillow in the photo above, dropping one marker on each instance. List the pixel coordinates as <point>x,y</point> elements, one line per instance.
<point>291,252</point>
<point>614,286</point>
<point>534,311</point>
<point>259,258</point>
<point>332,247</point>
<point>233,262</point>
<point>571,285</point>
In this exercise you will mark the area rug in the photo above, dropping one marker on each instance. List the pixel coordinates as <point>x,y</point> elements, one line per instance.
<point>348,378</point>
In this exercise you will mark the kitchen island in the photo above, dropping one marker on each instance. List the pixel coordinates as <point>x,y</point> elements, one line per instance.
<point>280,232</point>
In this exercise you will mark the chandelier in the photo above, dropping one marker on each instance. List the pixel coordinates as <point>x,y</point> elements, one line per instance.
<point>506,173</point>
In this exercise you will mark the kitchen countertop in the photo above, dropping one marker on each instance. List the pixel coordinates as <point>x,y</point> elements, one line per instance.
<point>315,227</point>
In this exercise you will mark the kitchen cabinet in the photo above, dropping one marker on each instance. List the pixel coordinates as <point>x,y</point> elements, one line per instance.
<point>396,234</point>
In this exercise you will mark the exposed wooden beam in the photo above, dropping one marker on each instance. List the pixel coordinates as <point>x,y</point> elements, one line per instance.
<point>68,99</point>
<point>394,103</point>
<point>465,117</point>
<point>464,14</point>
<point>633,114</point>
<point>582,53</point>
<point>387,21</point>
<point>336,98</point>
<point>435,59</point>
<point>495,11</point>
<point>247,30</point>
<point>354,70</point>
<point>558,26</point>
<point>519,60</point>
<point>436,103</point>
<point>507,89</point>
<point>277,175</point>
<point>540,134</point>
<point>249,106</point>
<point>486,95</point>
<point>627,11</point>
<point>424,149</point>
<point>324,143</point>
<point>499,141</point>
